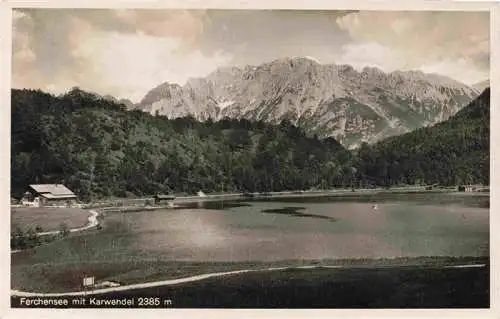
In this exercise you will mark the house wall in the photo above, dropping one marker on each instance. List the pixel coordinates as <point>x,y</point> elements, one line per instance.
<point>58,202</point>
<point>465,188</point>
<point>28,197</point>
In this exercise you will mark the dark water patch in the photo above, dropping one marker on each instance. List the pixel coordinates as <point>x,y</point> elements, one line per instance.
<point>223,205</point>
<point>294,211</point>
<point>213,205</point>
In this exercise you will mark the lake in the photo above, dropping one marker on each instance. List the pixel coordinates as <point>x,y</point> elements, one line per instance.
<point>314,228</point>
<point>199,238</point>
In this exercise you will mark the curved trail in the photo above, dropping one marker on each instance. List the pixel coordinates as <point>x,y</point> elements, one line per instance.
<point>93,222</point>
<point>170,282</point>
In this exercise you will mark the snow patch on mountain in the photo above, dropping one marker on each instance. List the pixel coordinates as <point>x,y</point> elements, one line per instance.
<point>223,105</point>
<point>308,57</point>
<point>328,100</point>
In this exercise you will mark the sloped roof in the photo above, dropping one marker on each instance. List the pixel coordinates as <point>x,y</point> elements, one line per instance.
<point>52,196</point>
<point>160,196</point>
<point>54,189</point>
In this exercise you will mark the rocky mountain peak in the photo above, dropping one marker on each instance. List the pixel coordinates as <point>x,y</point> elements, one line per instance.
<point>328,100</point>
<point>161,91</point>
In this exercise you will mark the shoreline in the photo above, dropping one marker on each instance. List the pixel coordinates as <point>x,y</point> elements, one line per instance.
<point>137,203</point>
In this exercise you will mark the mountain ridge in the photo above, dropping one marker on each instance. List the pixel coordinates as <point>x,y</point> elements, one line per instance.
<point>325,99</point>
<point>481,86</point>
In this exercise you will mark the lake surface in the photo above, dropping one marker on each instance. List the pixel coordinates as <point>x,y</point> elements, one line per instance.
<point>312,228</point>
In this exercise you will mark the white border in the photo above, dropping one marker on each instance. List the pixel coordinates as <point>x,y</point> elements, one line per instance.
<point>5,75</point>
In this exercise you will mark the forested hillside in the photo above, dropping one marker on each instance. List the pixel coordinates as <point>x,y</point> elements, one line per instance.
<point>98,149</point>
<point>450,153</point>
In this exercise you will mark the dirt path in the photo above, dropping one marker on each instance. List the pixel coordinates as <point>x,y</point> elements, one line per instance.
<point>169,282</point>
<point>93,222</point>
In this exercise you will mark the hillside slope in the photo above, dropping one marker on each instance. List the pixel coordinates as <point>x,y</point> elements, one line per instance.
<point>99,149</point>
<point>452,152</point>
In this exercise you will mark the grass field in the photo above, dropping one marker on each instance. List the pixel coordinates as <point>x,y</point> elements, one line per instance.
<point>395,287</point>
<point>49,218</point>
<point>363,287</point>
<point>41,274</point>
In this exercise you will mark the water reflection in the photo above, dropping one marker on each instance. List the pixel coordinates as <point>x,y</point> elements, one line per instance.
<point>215,205</point>
<point>294,211</point>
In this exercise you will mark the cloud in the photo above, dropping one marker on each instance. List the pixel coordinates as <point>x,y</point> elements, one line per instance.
<point>360,55</point>
<point>24,57</point>
<point>119,52</point>
<point>257,36</point>
<point>185,25</point>
<point>127,52</point>
<point>462,70</point>
<point>445,41</point>
<point>389,60</point>
<point>130,65</point>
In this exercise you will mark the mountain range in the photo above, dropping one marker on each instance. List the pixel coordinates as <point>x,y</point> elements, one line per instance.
<point>324,100</point>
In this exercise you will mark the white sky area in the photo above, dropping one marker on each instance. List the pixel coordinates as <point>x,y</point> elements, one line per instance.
<point>125,53</point>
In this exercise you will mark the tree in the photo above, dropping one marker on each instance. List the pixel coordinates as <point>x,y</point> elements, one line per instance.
<point>17,238</point>
<point>63,230</point>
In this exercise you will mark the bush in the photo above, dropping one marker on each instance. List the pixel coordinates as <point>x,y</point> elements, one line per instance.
<point>63,230</point>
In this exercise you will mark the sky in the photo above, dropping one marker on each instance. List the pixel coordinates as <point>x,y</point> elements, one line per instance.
<point>125,53</point>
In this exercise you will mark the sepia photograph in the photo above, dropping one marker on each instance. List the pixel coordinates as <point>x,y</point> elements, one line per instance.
<point>280,158</point>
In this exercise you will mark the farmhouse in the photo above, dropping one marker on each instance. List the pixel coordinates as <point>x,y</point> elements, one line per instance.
<point>49,195</point>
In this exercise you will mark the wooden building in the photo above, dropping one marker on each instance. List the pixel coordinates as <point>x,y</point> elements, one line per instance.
<point>168,199</point>
<point>49,195</point>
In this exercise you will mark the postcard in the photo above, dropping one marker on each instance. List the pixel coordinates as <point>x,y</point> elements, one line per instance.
<point>255,157</point>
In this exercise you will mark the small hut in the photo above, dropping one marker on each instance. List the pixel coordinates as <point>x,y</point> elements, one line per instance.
<point>465,188</point>
<point>168,199</point>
